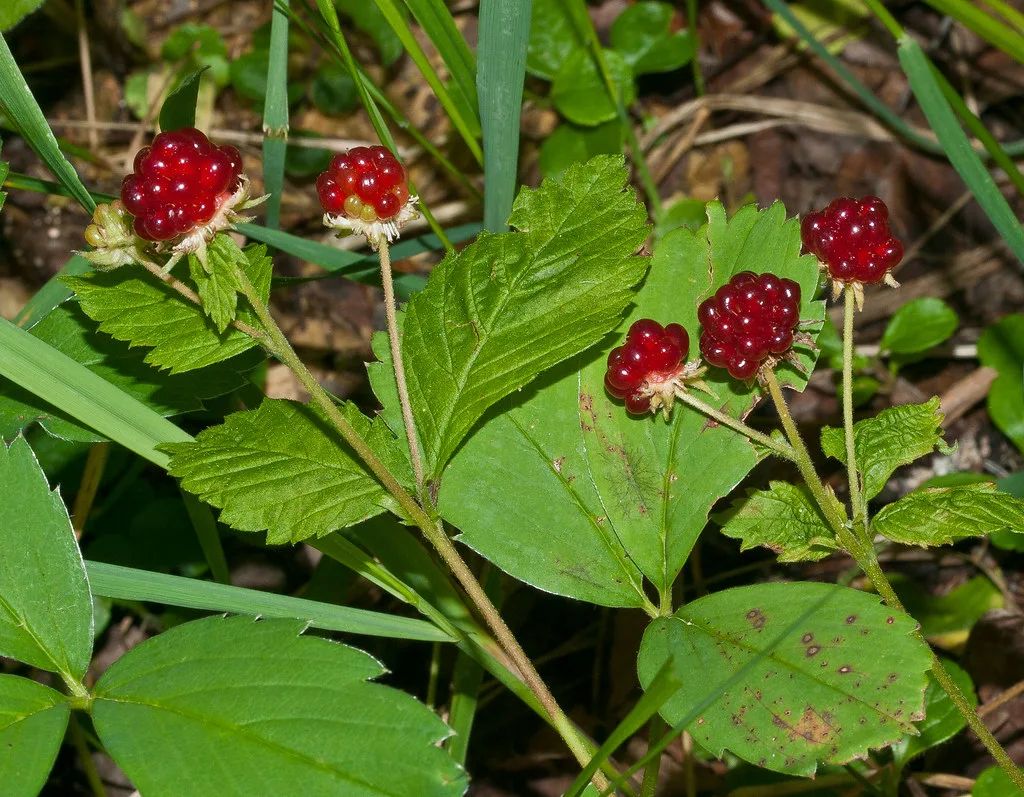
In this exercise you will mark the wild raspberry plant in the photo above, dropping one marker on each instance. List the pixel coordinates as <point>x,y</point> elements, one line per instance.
<point>616,501</point>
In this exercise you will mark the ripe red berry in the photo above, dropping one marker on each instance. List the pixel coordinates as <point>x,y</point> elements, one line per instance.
<point>651,355</point>
<point>179,183</point>
<point>366,183</point>
<point>851,237</point>
<point>749,319</point>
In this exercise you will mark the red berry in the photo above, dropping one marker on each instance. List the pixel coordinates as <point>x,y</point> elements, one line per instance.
<point>851,237</point>
<point>179,183</point>
<point>371,174</point>
<point>748,319</point>
<point>651,353</point>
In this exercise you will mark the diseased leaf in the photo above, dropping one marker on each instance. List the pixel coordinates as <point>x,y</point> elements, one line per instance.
<point>790,676</point>
<point>918,326</point>
<point>45,604</point>
<point>68,330</point>
<point>784,519</point>
<point>1001,346</point>
<point>895,437</point>
<point>33,719</point>
<point>134,306</point>
<point>579,91</point>
<point>216,280</point>
<point>942,719</point>
<point>614,499</point>
<point>281,467</point>
<point>508,306</point>
<point>943,515</point>
<point>224,707</point>
<point>643,35</point>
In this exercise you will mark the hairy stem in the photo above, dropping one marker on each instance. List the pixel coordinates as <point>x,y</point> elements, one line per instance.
<point>396,361</point>
<point>858,506</point>
<point>782,450</point>
<point>279,347</point>
<point>864,555</point>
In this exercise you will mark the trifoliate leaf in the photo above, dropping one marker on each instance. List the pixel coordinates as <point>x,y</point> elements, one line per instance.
<point>943,515</point>
<point>223,707</point>
<point>643,35</point>
<point>282,467</point>
<point>45,603</point>
<point>508,306</point>
<point>134,306</point>
<point>216,280</point>
<point>33,719</point>
<point>895,437</point>
<point>71,332</point>
<point>784,519</point>
<point>615,499</point>
<point>790,676</point>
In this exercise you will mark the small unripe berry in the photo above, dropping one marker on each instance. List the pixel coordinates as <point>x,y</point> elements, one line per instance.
<point>370,175</point>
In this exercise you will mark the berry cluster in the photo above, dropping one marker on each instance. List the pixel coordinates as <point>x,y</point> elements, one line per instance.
<point>851,237</point>
<point>749,319</point>
<point>650,359</point>
<point>365,183</point>
<point>179,184</point>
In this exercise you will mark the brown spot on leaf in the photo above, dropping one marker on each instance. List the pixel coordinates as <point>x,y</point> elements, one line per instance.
<point>890,620</point>
<point>808,637</point>
<point>756,618</point>
<point>846,668</point>
<point>813,650</point>
<point>851,619</point>
<point>557,464</point>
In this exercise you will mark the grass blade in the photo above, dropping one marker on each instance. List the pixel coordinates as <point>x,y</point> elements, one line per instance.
<point>23,111</point>
<point>439,25</point>
<point>987,27</point>
<point>504,34</point>
<point>957,146</point>
<point>126,583</point>
<point>201,517</point>
<point>467,128</point>
<point>275,115</point>
<point>74,389</point>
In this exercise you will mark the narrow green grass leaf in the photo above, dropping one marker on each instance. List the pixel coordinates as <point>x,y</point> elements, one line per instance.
<point>179,109</point>
<point>467,128</point>
<point>130,584</point>
<point>5,168</point>
<point>33,719</point>
<point>439,25</point>
<point>957,146</point>
<point>275,114</point>
<point>504,35</point>
<point>80,393</point>
<point>989,28</point>
<point>22,110</point>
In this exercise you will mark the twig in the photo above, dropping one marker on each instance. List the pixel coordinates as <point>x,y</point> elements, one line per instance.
<point>1001,699</point>
<point>965,393</point>
<point>85,57</point>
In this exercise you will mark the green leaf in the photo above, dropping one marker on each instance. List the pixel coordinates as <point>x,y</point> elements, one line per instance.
<point>1001,346</point>
<point>306,162</point>
<point>179,109</point>
<point>946,620</point>
<point>221,707</point>
<point>895,437</point>
<point>45,604</point>
<point>613,498</point>
<point>249,75</point>
<point>33,719</point>
<point>792,675</point>
<point>570,144</point>
<point>553,38</point>
<point>369,19</point>
<point>5,167</point>
<point>688,213</point>
<point>943,515</point>
<point>942,719</point>
<point>508,306</point>
<point>643,35</point>
<point>918,326</point>
<point>69,331</point>
<point>993,782</point>
<point>333,90</point>
<point>134,306</point>
<point>580,94</point>
<point>14,11</point>
<point>217,281</point>
<point>784,519</point>
<point>281,468</point>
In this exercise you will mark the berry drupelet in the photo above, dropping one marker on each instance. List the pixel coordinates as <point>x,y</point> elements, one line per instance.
<point>650,368</point>
<point>180,184</point>
<point>748,321</point>
<point>852,239</point>
<point>365,190</point>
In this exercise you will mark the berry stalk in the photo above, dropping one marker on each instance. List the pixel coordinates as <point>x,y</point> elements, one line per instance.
<point>782,450</point>
<point>866,560</point>
<point>858,505</point>
<point>396,360</point>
